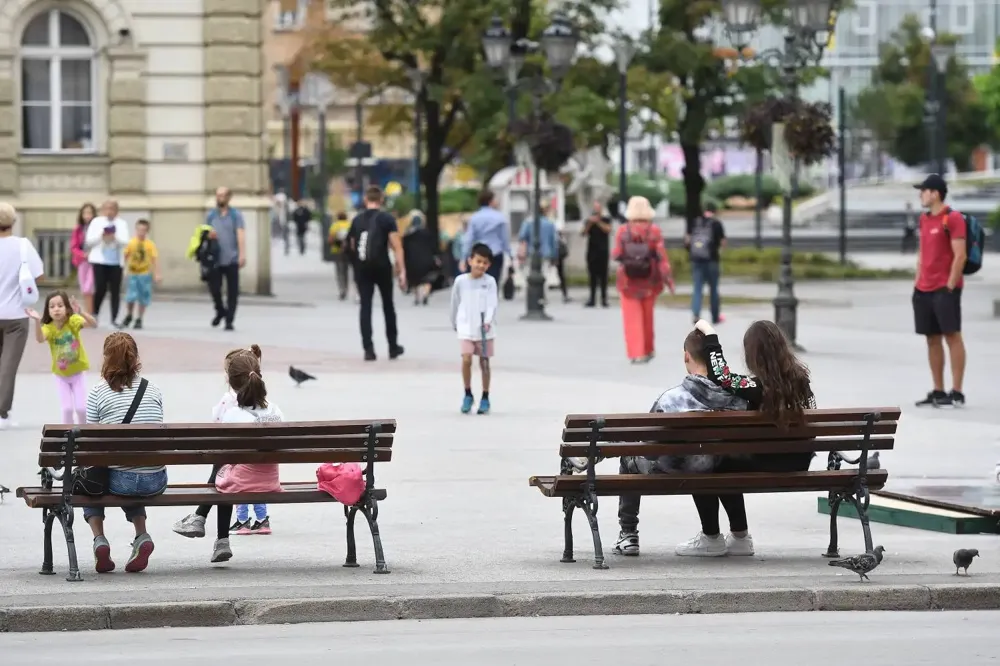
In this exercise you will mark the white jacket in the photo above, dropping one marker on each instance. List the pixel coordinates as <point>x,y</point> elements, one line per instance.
<point>95,239</point>
<point>472,302</point>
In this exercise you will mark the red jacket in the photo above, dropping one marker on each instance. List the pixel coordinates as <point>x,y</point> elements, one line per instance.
<point>644,287</point>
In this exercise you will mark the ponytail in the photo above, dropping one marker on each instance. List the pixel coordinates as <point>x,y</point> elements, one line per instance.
<point>253,392</point>
<point>243,369</point>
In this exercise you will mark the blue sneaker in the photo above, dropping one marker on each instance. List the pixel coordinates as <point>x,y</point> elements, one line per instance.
<point>484,406</point>
<point>467,404</point>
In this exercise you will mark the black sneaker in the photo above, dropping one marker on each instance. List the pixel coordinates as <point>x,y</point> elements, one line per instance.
<point>395,352</point>
<point>261,526</point>
<point>589,304</point>
<point>217,319</point>
<point>370,355</point>
<point>127,321</point>
<point>936,399</point>
<point>957,398</point>
<point>237,526</point>
<point>138,324</point>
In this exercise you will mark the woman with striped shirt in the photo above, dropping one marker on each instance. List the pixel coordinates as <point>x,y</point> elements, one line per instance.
<point>109,402</point>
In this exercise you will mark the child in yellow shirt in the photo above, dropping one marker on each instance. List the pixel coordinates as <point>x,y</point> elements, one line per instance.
<point>141,261</point>
<point>60,325</point>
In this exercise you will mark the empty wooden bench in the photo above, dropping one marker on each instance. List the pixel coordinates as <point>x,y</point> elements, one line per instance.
<point>596,437</point>
<point>67,447</point>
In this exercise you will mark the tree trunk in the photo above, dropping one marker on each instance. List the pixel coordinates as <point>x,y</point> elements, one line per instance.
<point>430,173</point>
<point>693,182</point>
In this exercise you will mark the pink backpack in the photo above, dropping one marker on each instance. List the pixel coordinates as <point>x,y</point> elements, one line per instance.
<point>342,481</point>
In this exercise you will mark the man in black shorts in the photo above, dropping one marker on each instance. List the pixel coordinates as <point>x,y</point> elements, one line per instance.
<point>937,293</point>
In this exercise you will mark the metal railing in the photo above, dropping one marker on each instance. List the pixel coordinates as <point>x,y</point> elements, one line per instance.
<point>54,248</point>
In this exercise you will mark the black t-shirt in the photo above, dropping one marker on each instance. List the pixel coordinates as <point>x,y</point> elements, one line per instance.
<point>718,234</point>
<point>381,225</point>
<point>598,243</point>
<point>301,216</point>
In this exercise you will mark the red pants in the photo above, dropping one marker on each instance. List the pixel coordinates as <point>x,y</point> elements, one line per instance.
<point>638,317</point>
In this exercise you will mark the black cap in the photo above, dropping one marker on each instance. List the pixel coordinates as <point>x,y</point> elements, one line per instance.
<point>935,183</point>
<point>711,207</point>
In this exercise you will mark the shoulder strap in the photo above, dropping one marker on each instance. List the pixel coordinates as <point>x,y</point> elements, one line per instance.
<point>24,250</point>
<point>134,407</point>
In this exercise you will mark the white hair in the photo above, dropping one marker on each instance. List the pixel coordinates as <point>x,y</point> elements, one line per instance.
<point>8,215</point>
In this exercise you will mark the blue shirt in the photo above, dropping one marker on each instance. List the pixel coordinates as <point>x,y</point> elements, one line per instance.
<point>550,237</point>
<point>488,226</point>
<point>226,226</point>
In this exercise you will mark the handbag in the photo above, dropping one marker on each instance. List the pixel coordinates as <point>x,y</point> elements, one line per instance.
<point>93,481</point>
<point>25,279</point>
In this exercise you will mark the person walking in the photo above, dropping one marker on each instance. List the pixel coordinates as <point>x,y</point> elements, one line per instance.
<point>423,258</point>
<point>107,236</point>
<point>937,291</point>
<point>78,242</point>
<point>341,257</point>
<point>705,239</point>
<point>548,246</point>
<point>597,231</point>
<point>373,232</point>
<point>491,228</point>
<point>301,216</point>
<point>229,230</point>
<point>643,270</point>
<point>17,256</point>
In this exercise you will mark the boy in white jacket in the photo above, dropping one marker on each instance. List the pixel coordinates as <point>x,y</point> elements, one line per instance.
<point>473,316</point>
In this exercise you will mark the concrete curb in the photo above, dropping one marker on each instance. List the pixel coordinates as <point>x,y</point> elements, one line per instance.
<point>288,611</point>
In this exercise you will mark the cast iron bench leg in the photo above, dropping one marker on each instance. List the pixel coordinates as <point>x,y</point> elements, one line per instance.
<point>66,520</point>
<point>832,550</point>
<point>352,549</point>
<point>48,517</point>
<point>860,503</point>
<point>569,506</point>
<point>589,507</point>
<point>370,510</point>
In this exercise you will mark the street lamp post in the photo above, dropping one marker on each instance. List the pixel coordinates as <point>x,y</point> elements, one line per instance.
<point>418,78</point>
<point>624,52</point>
<point>558,42</point>
<point>940,56</point>
<point>806,36</point>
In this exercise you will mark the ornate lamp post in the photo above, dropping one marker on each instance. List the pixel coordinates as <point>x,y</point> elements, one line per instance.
<point>941,54</point>
<point>505,56</point>
<point>624,52</point>
<point>807,33</point>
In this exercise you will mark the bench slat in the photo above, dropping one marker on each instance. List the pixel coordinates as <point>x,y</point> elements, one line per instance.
<point>252,441</point>
<point>614,450</point>
<point>186,495</point>
<point>687,484</point>
<point>698,419</point>
<point>669,433</point>
<point>146,459</point>
<point>167,430</point>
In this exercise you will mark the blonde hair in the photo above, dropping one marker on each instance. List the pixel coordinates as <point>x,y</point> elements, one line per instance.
<point>8,215</point>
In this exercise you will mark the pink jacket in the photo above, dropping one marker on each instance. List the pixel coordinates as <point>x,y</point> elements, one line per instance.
<point>249,478</point>
<point>79,255</point>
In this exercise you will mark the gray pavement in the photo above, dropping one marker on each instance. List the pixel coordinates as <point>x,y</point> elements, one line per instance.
<point>764,639</point>
<point>460,522</point>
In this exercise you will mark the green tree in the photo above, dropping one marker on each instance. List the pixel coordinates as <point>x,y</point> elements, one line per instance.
<point>460,99</point>
<point>895,102</point>
<point>988,87</point>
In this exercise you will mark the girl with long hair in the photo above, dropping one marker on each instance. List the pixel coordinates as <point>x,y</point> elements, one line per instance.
<point>78,241</point>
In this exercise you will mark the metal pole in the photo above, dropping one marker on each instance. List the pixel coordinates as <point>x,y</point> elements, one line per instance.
<point>942,127</point>
<point>785,303</point>
<point>842,167</point>
<point>287,140</point>
<point>931,112</point>
<point>324,227</point>
<point>359,172</point>
<point>536,281</point>
<point>622,136</point>
<point>418,157</point>
<point>758,185</point>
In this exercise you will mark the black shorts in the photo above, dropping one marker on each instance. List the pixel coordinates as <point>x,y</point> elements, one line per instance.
<point>937,312</point>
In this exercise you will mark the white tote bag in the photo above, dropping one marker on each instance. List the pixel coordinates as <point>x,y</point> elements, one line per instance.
<point>29,289</point>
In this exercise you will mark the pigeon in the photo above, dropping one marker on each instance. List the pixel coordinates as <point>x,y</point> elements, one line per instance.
<point>963,559</point>
<point>873,462</point>
<point>298,376</point>
<point>861,564</point>
<point>4,490</point>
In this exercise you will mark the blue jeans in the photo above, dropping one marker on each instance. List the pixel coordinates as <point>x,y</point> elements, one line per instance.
<point>243,512</point>
<point>702,273</point>
<point>130,484</point>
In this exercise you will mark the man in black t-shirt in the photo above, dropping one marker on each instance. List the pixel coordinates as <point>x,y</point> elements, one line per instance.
<point>373,232</point>
<point>301,216</point>
<point>597,229</point>
<point>705,238</point>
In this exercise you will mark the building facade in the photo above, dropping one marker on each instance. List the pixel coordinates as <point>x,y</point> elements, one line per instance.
<point>153,103</point>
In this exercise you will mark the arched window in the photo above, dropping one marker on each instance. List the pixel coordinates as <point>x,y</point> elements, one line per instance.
<point>57,84</point>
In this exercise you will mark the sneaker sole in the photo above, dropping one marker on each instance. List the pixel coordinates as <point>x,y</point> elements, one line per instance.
<point>190,534</point>
<point>141,559</point>
<point>104,563</point>
<point>263,532</point>
<point>625,553</point>
<point>222,557</point>
<point>740,553</point>
<point>702,554</point>
<point>244,531</point>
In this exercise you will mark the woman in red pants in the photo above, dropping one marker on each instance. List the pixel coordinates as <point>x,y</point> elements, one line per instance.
<point>643,270</point>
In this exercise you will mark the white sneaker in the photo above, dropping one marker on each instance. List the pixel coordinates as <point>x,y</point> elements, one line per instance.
<point>192,526</point>
<point>703,546</point>
<point>222,552</point>
<point>739,545</point>
<point>7,423</point>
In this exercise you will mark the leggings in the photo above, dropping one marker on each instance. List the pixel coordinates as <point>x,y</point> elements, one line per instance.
<point>224,512</point>
<point>73,397</point>
<point>107,281</point>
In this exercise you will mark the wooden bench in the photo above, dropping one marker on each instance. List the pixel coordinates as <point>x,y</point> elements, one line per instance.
<point>67,447</point>
<point>596,437</point>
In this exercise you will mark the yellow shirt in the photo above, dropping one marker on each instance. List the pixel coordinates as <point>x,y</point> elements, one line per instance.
<point>68,355</point>
<point>139,256</point>
<point>338,234</point>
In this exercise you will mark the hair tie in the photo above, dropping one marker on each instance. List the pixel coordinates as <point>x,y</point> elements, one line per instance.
<point>253,374</point>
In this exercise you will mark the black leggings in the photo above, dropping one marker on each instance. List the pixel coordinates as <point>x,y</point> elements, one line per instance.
<point>708,505</point>
<point>107,281</point>
<point>224,512</point>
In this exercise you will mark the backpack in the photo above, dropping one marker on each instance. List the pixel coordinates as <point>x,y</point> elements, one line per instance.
<point>26,281</point>
<point>975,242</point>
<point>372,241</point>
<point>637,256</point>
<point>702,238</point>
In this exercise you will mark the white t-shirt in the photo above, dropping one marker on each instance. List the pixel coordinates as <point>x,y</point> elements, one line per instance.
<point>102,253</point>
<point>10,270</point>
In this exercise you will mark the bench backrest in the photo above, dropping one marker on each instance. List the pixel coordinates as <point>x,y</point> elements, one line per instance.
<point>719,433</point>
<point>218,443</point>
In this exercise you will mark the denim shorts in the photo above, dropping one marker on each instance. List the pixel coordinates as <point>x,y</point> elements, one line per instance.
<point>130,484</point>
<point>139,289</point>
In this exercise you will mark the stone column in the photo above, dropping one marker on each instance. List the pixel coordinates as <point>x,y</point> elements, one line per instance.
<point>8,124</point>
<point>127,122</point>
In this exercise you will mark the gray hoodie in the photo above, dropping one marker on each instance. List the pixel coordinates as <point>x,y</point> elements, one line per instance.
<point>695,394</point>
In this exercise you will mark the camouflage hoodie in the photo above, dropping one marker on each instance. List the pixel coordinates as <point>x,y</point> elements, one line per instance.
<point>695,394</point>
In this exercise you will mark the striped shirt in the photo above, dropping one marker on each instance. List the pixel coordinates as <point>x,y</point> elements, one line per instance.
<point>109,407</point>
